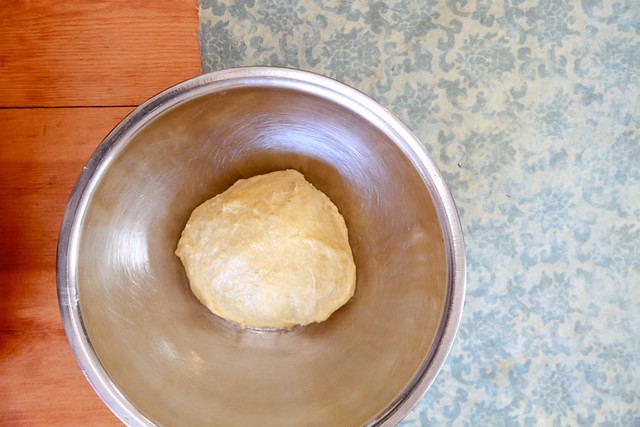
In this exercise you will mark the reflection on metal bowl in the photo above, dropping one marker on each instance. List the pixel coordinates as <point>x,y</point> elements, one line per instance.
<point>155,355</point>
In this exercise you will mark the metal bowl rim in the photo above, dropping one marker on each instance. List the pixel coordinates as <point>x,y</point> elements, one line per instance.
<point>232,78</point>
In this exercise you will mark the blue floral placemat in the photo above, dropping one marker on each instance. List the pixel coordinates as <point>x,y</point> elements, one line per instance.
<point>532,111</point>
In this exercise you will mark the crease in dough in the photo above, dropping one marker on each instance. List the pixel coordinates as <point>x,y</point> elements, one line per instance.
<point>270,252</point>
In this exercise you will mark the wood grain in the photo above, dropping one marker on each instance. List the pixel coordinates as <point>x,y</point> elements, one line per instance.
<point>116,52</point>
<point>43,152</point>
<point>42,384</point>
<point>38,168</point>
<point>69,72</point>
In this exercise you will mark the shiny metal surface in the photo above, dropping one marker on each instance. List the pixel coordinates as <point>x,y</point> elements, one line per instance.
<point>155,355</point>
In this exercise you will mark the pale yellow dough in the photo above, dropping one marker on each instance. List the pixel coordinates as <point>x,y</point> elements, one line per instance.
<point>270,252</point>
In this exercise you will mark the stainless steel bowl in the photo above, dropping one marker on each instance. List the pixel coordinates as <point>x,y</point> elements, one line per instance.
<point>155,355</point>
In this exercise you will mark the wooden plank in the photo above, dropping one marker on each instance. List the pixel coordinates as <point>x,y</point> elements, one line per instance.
<point>43,385</point>
<point>86,52</point>
<point>65,54</point>
<point>52,135</point>
<point>41,156</point>
<point>29,301</point>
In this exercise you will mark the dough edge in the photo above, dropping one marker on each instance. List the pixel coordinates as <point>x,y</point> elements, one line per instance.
<point>329,240</point>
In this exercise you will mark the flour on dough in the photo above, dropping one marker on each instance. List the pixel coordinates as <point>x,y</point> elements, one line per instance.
<point>270,252</point>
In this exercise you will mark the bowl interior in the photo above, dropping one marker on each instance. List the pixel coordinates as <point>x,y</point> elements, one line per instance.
<point>181,365</point>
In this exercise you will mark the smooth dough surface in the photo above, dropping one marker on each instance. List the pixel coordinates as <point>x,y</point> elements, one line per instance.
<point>270,252</point>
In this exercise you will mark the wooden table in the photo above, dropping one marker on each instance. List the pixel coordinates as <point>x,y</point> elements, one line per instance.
<point>69,71</point>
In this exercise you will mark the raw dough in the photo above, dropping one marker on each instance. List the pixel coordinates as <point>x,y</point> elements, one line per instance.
<point>270,252</point>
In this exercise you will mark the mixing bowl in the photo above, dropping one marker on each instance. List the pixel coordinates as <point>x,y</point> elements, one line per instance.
<point>156,356</point>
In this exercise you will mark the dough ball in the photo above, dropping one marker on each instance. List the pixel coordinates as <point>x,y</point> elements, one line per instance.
<point>270,252</point>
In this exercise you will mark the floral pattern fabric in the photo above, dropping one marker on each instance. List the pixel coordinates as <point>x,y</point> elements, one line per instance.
<point>531,109</point>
